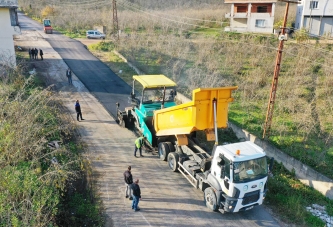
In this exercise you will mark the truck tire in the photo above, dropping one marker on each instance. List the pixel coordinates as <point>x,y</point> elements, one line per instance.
<point>210,199</point>
<point>173,159</point>
<point>171,147</point>
<point>163,151</point>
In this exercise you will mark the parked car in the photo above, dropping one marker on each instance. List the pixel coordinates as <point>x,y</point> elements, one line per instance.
<point>94,34</point>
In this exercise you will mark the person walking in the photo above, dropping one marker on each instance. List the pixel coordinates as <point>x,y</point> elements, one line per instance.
<point>136,195</point>
<point>69,76</point>
<point>78,111</point>
<point>128,181</point>
<point>41,54</point>
<point>30,53</point>
<point>138,145</point>
<point>36,53</point>
<point>33,53</point>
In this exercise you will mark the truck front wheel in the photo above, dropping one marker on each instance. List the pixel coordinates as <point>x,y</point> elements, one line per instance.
<point>163,151</point>
<point>210,199</point>
<point>173,159</point>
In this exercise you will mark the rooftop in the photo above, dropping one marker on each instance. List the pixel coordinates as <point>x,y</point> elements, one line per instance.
<point>8,3</point>
<point>154,81</point>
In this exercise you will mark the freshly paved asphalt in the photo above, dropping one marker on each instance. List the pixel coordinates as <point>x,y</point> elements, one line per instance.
<point>168,199</point>
<point>97,77</point>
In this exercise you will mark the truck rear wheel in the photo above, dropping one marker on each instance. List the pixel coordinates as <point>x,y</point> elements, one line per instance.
<point>210,199</point>
<point>173,159</point>
<point>163,151</point>
<point>171,147</point>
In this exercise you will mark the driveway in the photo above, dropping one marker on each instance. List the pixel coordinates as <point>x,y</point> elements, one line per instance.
<point>167,198</point>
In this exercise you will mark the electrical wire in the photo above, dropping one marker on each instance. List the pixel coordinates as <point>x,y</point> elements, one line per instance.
<point>130,6</point>
<point>188,18</point>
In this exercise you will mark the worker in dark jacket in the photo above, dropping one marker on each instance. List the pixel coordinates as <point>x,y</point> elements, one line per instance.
<point>78,110</point>
<point>136,195</point>
<point>138,145</point>
<point>41,54</point>
<point>36,53</point>
<point>128,181</point>
<point>69,76</point>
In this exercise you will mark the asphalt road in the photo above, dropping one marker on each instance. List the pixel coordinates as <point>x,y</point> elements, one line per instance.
<point>104,84</point>
<point>168,199</point>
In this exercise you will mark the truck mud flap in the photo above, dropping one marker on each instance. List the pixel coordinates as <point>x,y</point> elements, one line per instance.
<point>188,176</point>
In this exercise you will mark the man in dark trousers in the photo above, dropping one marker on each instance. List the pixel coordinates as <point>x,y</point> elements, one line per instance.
<point>136,195</point>
<point>33,53</point>
<point>30,53</point>
<point>41,54</point>
<point>69,76</point>
<point>138,145</point>
<point>128,181</point>
<point>36,53</point>
<point>78,110</point>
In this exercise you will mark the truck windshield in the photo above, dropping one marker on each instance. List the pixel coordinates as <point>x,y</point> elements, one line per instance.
<point>156,95</point>
<point>250,170</point>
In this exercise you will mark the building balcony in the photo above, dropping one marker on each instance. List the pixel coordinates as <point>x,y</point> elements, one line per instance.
<point>261,15</point>
<point>236,15</point>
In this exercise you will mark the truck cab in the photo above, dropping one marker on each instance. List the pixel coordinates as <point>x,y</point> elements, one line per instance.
<point>241,170</point>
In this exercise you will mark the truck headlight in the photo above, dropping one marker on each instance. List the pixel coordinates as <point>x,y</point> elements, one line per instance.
<point>261,184</point>
<point>245,188</point>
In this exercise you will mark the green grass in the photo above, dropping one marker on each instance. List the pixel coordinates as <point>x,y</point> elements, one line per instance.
<point>36,187</point>
<point>72,34</point>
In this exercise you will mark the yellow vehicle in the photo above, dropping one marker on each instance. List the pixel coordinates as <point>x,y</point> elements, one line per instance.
<point>233,176</point>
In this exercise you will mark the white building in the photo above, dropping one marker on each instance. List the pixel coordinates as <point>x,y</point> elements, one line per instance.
<point>9,27</point>
<point>251,15</point>
<point>316,17</point>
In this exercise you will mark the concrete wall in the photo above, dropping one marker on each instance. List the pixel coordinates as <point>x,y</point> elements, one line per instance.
<point>7,51</point>
<point>325,8</point>
<point>318,21</point>
<point>303,172</point>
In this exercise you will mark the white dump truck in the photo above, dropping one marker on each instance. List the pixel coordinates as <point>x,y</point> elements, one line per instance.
<point>233,177</point>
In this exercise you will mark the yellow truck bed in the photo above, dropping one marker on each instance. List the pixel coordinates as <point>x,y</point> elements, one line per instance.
<point>195,115</point>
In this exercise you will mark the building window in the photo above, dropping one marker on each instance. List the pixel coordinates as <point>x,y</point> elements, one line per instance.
<point>241,9</point>
<point>313,4</point>
<point>262,9</point>
<point>260,23</point>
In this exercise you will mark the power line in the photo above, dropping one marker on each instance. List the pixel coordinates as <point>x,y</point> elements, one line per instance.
<point>188,18</point>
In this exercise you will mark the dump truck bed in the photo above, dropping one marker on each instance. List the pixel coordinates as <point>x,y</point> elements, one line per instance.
<point>195,115</point>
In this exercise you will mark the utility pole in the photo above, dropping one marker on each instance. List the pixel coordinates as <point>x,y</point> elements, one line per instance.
<point>115,20</point>
<point>282,37</point>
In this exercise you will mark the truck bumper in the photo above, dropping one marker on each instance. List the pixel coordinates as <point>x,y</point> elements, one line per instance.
<point>234,205</point>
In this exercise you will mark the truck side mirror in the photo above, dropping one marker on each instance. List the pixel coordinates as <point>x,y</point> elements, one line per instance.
<point>271,163</point>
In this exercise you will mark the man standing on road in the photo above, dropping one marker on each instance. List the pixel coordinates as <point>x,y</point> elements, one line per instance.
<point>128,181</point>
<point>30,53</point>
<point>36,53</point>
<point>69,76</point>
<point>78,110</point>
<point>138,145</point>
<point>41,54</point>
<point>136,195</point>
